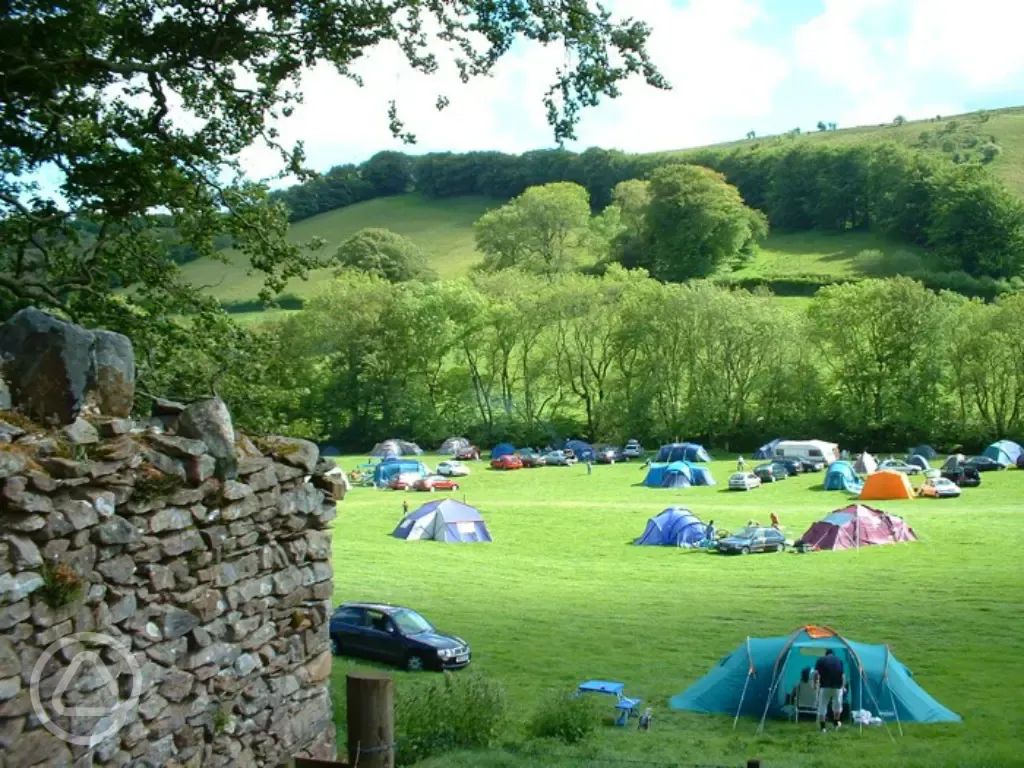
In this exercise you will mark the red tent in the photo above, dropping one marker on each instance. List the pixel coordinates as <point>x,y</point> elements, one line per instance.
<point>857,525</point>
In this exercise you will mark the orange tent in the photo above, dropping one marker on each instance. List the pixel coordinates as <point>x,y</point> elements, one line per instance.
<point>887,484</point>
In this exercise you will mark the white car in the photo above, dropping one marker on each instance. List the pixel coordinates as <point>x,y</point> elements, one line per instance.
<point>744,481</point>
<point>559,459</point>
<point>939,488</point>
<point>633,450</point>
<point>452,469</point>
<point>897,465</point>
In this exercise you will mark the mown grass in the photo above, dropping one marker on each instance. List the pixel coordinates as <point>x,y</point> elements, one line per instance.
<point>815,253</point>
<point>560,597</point>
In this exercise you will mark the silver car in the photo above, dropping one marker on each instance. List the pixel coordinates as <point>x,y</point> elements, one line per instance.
<point>744,481</point>
<point>898,465</point>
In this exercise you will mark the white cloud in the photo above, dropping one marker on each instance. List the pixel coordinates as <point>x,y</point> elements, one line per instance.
<point>716,72</point>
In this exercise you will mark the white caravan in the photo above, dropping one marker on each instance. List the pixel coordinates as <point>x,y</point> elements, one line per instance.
<point>807,450</point>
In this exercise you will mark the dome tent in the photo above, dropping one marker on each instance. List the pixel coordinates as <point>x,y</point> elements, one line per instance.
<point>675,527</point>
<point>767,451</point>
<point>842,477</point>
<point>856,526</point>
<point>1006,452</point>
<point>502,449</point>
<point>886,484</point>
<point>678,474</point>
<point>865,464</point>
<point>396,448</point>
<point>691,452</point>
<point>756,677</point>
<point>453,445</point>
<point>584,451</point>
<point>444,520</point>
<point>923,450</point>
<point>917,460</point>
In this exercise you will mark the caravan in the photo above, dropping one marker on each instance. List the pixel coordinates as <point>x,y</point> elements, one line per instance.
<point>807,450</point>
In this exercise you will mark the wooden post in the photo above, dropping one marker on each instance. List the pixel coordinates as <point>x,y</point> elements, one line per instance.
<point>371,719</point>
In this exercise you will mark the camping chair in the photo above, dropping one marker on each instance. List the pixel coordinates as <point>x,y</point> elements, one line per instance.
<point>804,701</point>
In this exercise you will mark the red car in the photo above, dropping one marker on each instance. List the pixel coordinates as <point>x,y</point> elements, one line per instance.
<point>468,454</point>
<point>435,483</point>
<point>510,461</point>
<point>403,482</point>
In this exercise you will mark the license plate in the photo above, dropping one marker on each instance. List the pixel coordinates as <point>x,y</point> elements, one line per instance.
<point>462,659</point>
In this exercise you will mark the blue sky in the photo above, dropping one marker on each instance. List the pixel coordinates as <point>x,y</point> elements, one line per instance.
<point>736,66</point>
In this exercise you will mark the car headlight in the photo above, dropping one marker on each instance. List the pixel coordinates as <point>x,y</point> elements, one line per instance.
<point>445,653</point>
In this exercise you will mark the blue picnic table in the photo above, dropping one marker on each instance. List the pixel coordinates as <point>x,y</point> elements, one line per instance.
<point>627,706</point>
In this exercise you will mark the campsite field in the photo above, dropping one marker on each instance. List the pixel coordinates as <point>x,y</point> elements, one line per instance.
<point>560,596</point>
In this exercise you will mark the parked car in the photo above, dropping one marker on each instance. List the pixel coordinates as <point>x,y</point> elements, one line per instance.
<point>898,465</point>
<point>811,465</point>
<point>607,454</point>
<point>965,477</point>
<point>744,481</point>
<point>472,453</point>
<point>403,481</point>
<point>982,464</point>
<point>395,635</point>
<point>511,461</point>
<point>452,469</point>
<point>939,488</point>
<point>770,472</point>
<point>433,483</point>
<point>633,450</point>
<point>560,459</point>
<point>792,466</point>
<point>531,458</point>
<point>752,539</point>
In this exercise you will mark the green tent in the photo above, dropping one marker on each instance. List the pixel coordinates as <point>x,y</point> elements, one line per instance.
<point>756,677</point>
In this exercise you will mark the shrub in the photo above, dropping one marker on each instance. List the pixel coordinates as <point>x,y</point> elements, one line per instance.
<point>990,152</point>
<point>61,585</point>
<point>566,717</point>
<point>462,711</point>
<point>878,264</point>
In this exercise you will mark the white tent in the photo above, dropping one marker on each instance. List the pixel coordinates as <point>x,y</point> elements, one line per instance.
<point>395,448</point>
<point>445,520</point>
<point>453,445</point>
<point>865,464</point>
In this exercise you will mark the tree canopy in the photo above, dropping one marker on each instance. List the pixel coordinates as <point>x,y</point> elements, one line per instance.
<point>385,254</point>
<point>134,107</point>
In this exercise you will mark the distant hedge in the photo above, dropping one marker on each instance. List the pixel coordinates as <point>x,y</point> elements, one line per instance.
<point>284,301</point>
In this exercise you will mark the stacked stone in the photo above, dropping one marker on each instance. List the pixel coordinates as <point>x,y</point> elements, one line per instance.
<point>208,563</point>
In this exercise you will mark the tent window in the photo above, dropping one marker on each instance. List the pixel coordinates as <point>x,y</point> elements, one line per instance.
<point>466,527</point>
<point>812,650</point>
<point>405,524</point>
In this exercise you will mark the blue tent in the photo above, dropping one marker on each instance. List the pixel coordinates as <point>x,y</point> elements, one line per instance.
<point>445,520</point>
<point>682,452</point>
<point>502,449</point>
<point>1006,452</point>
<point>701,475</point>
<point>674,475</point>
<point>582,450</point>
<point>767,451</point>
<point>756,677</point>
<point>923,450</point>
<point>675,527</point>
<point>388,468</point>
<point>842,477</point>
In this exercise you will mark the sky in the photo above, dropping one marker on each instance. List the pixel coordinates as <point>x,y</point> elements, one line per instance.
<point>735,66</point>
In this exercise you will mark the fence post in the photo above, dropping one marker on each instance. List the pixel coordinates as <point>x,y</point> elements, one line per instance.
<point>371,719</point>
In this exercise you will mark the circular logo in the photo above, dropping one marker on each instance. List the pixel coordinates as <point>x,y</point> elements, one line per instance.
<point>86,665</point>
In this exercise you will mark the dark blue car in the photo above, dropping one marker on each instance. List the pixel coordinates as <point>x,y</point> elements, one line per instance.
<point>395,635</point>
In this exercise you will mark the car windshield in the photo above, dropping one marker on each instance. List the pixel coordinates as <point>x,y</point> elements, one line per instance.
<point>745,533</point>
<point>410,622</point>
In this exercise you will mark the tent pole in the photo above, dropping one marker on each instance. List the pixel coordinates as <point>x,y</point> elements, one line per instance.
<point>771,693</point>
<point>892,696</point>
<point>750,672</point>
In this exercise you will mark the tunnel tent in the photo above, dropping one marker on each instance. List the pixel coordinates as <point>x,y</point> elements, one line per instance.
<point>691,452</point>
<point>453,445</point>
<point>757,676</point>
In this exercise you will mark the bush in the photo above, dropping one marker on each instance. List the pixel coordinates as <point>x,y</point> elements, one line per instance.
<point>566,717</point>
<point>990,152</point>
<point>462,711</point>
<point>878,264</point>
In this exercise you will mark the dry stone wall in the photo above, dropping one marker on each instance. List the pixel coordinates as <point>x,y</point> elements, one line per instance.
<point>164,587</point>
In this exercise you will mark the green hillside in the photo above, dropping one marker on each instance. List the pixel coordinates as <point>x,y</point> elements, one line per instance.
<point>1006,126</point>
<point>441,227</point>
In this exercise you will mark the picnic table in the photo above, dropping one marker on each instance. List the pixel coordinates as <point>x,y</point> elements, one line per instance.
<point>626,705</point>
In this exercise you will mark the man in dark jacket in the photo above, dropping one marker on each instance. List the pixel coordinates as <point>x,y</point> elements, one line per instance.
<point>831,681</point>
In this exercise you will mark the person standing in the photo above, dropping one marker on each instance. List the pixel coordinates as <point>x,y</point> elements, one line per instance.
<point>590,467</point>
<point>405,507</point>
<point>741,465</point>
<point>831,681</point>
<point>775,521</point>
<point>709,533</point>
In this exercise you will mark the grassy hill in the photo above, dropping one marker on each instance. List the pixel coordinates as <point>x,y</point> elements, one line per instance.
<point>969,131</point>
<point>441,227</point>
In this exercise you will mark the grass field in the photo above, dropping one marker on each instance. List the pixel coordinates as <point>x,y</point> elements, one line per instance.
<point>560,597</point>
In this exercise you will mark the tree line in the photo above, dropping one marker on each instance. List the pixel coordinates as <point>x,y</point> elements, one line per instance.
<point>518,356</point>
<point>959,211</point>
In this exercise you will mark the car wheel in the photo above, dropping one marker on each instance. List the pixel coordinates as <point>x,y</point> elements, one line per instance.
<point>455,487</point>
<point>335,646</point>
<point>780,547</point>
<point>745,551</point>
<point>414,663</point>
